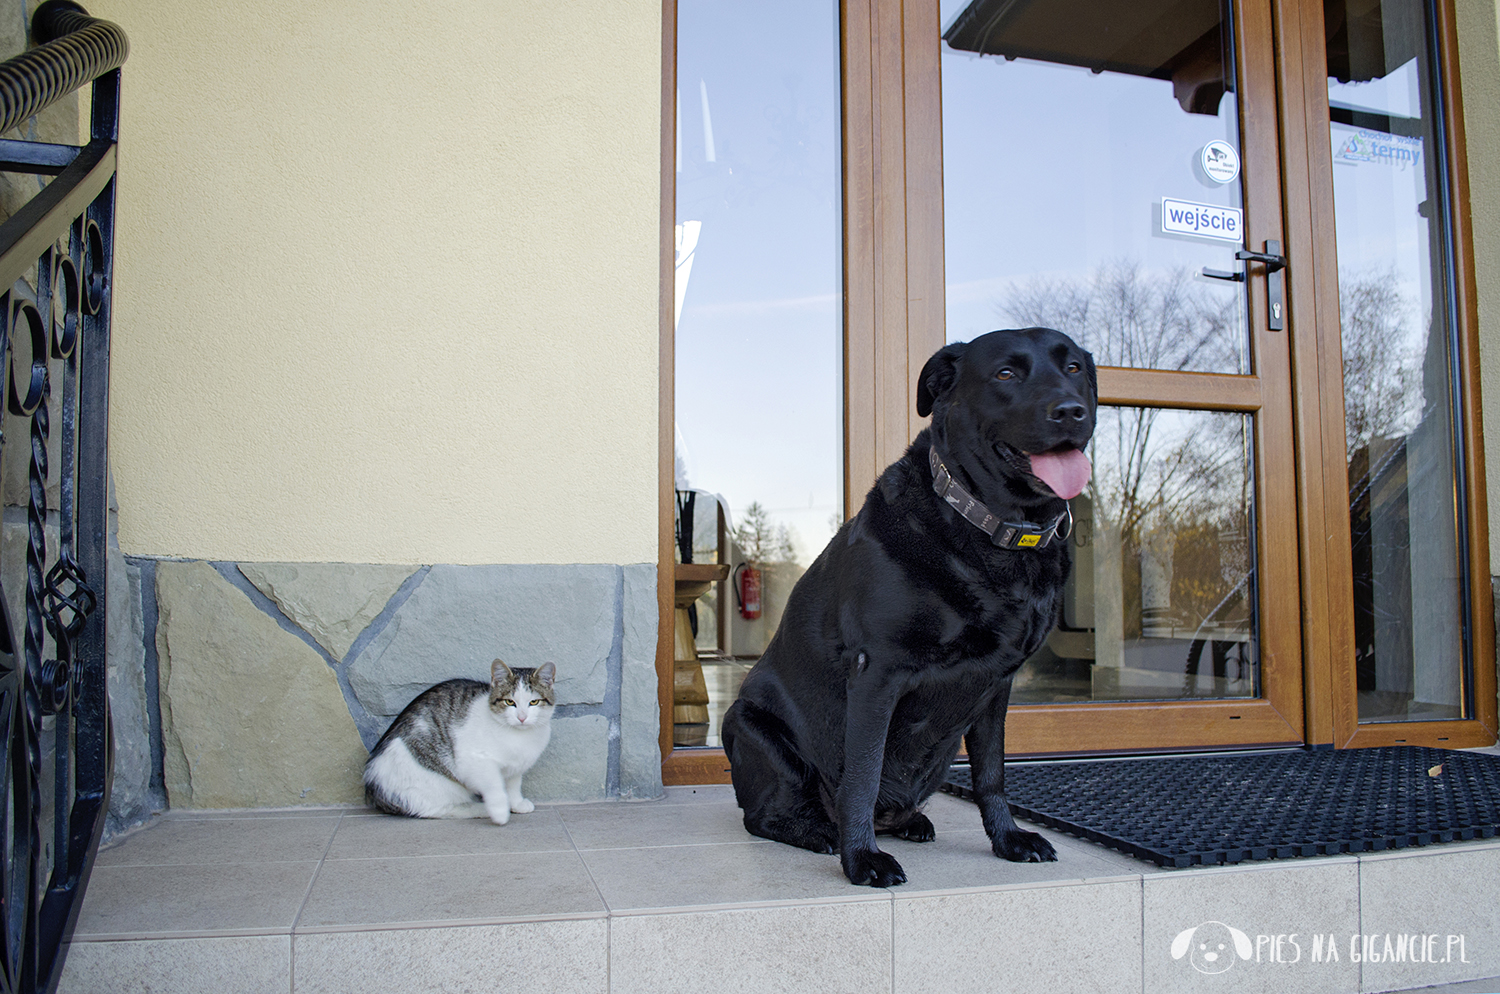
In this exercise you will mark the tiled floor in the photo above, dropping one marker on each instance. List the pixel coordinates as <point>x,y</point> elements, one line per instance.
<point>673,895</point>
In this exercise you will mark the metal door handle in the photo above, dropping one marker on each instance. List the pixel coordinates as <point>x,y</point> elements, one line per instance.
<point>1275,263</point>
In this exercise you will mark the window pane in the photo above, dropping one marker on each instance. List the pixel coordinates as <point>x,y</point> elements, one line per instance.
<point>1161,603</point>
<point>1398,349</point>
<point>759,364</point>
<point>1091,172</point>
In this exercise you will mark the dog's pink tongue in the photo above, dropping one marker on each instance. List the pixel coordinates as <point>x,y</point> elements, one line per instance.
<point>1067,473</point>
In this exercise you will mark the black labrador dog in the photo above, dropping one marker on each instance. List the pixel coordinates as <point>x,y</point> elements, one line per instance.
<point>901,639</point>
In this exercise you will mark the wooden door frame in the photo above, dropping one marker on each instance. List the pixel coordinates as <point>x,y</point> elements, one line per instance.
<point>678,766</point>
<point>1322,477</point>
<point>1277,717</point>
<point>894,318</point>
<point>892,242</point>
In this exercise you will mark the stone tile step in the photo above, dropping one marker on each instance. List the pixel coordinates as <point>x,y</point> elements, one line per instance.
<point>674,895</point>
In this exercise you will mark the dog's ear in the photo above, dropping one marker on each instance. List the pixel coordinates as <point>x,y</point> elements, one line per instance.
<point>938,376</point>
<point>1241,942</point>
<point>1181,943</point>
<point>1093,374</point>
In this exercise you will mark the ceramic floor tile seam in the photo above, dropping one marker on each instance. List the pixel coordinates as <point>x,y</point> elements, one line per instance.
<point>428,924</point>
<point>1294,865</point>
<point>108,852</point>
<point>1359,910</point>
<point>441,855</point>
<point>161,935</point>
<point>1484,985</point>
<point>1436,850</point>
<point>902,894</point>
<point>876,897</point>
<point>480,854</point>
<point>251,814</point>
<point>313,879</point>
<point>223,863</point>
<point>588,870</point>
<point>170,935</point>
<point>1070,844</point>
<point>674,845</point>
<point>1142,907</point>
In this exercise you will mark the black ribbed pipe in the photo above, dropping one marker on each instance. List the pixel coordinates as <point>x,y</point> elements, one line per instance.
<point>73,49</point>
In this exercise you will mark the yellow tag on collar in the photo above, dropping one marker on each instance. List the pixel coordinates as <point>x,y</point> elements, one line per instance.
<point>1026,541</point>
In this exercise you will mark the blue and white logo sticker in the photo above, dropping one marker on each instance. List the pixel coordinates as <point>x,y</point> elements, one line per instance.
<point>1221,163</point>
<point>1183,217</point>
<point>1380,148</point>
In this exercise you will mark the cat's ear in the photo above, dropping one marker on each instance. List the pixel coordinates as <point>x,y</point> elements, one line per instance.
<point>500,673</point>
<point>545,674</point>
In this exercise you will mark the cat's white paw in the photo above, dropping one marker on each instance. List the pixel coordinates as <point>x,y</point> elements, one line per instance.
<point>500,815</point>
<point>522,806</point>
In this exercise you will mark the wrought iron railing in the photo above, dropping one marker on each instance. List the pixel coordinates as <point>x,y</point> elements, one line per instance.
<point>55,266</point>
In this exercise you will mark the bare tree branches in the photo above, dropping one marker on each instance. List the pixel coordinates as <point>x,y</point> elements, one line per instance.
<point>1129,318</point>
<point>1176,482</point>
<point>1382,367</point>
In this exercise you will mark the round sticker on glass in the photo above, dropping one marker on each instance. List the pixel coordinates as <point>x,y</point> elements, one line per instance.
<point>1221,163</point>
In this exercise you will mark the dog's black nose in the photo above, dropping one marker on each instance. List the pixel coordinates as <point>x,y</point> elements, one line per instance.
<point>1063,410</point>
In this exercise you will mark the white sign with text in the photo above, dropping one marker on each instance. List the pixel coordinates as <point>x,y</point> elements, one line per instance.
<point>1183,217</point>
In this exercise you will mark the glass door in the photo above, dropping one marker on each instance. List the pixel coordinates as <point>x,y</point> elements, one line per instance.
<point>1417,621</point>
<point>1253,212</point>
<point>1111,170</point>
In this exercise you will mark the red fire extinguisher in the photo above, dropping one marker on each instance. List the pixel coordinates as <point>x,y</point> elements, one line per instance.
<point>747,590</point>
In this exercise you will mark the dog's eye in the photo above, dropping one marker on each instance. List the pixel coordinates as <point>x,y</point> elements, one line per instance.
<point>1074,367</point>
<point>1005,374</point>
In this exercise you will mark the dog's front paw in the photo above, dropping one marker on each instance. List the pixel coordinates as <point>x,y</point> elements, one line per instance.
<point>918,829</point>
<point>873,868</point>
<point>1024,847</point>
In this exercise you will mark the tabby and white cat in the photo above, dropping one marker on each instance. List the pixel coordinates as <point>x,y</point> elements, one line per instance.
<point>463,738</point>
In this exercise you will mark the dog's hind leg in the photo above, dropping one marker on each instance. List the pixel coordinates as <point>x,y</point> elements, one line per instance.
<point>917,828</point>
<point>777,791</point>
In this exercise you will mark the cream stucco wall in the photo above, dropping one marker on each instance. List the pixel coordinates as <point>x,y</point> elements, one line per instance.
<point>1479,66</point>
<point>387,278</point>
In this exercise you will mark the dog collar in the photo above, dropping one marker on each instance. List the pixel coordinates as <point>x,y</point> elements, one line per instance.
<point>1005,534</point>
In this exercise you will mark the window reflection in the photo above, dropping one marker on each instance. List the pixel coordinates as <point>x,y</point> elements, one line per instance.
<point>1091,172</point>
<point>1397,331</point>
<point>1161,603</point>
<point>759,365</point>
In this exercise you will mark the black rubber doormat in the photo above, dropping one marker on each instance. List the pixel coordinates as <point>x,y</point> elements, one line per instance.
<point>1203,810</point>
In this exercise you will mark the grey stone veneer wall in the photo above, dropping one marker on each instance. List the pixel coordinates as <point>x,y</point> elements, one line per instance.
<point>265,684</point>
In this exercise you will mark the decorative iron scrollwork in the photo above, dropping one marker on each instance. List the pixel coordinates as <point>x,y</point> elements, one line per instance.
<point>55,266</point>
<point>69,602</point>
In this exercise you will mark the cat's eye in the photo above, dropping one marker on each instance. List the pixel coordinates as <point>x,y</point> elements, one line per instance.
<point>507,702</point>
<point>538,703</point>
